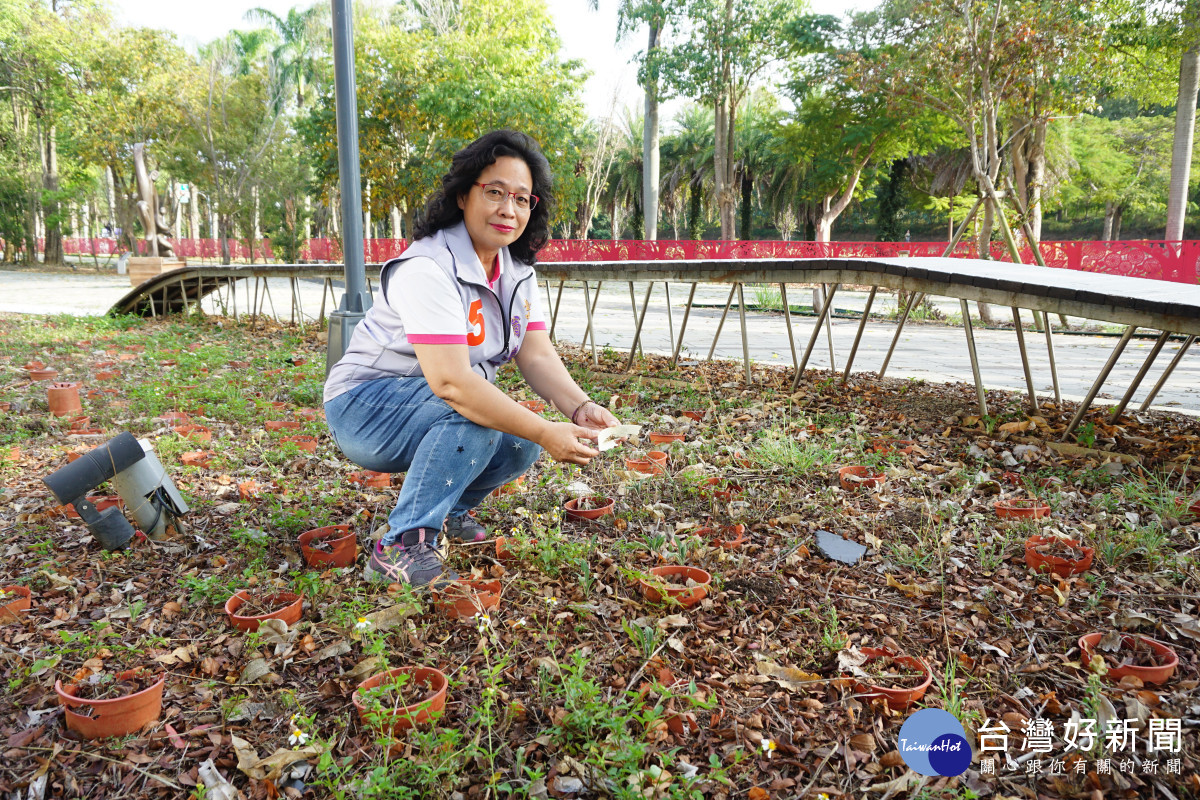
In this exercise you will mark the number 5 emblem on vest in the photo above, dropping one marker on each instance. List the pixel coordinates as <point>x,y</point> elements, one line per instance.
<point>475,320</point>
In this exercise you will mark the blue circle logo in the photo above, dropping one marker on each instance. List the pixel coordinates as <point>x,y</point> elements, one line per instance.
<point>933,742</point>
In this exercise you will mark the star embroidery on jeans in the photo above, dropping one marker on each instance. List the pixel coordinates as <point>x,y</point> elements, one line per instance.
<point>449,481</point>
<point>460,448</point>
<point>516,445</point>
<point>473,462</point>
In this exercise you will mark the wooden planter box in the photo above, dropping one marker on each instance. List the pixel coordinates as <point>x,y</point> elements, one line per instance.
<point>142,269</point>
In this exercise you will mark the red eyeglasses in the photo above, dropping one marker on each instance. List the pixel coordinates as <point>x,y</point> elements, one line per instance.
<point>495,194</point>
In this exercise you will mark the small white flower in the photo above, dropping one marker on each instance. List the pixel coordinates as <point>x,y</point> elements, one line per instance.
<point>551,601</point>
<point>769,746</point>
<point>483,622</point>
<point>519,623</point>
<point>297,738</point>
<point>363,624</point>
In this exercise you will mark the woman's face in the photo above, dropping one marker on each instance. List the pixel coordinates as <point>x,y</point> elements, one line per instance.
<point>493,226</point>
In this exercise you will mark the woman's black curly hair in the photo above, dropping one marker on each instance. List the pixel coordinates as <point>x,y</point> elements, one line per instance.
<point>442,210</point>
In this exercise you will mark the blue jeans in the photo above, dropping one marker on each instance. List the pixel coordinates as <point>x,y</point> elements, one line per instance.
<point>400,425</point>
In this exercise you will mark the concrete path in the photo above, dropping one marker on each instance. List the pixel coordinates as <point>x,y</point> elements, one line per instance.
<point>928,352</point>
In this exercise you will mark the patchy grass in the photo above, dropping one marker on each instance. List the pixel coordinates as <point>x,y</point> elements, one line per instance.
<point>575,685</point>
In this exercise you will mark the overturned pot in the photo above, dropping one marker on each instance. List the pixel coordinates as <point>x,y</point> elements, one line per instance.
<point>340,546</point>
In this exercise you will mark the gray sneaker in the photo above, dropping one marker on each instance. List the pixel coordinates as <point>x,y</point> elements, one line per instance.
<point>464,529</point>
<point>414,560</point>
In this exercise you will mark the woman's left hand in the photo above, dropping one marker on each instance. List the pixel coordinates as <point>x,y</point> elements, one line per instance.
<point>596,417</point>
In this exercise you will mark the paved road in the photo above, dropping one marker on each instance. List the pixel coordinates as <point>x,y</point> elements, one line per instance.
<point>929,352</point>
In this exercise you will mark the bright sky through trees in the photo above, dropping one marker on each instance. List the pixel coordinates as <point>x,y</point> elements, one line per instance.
<point>588,35</point>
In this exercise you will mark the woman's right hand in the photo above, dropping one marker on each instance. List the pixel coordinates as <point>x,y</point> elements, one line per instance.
<point>561,441</point>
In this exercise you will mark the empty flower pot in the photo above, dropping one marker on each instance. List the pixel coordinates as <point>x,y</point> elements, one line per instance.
<point>341,542</point>
<point>306,443</point>
<point>726,536</point>
<point>1165,658</point>
<point>306,414</point>
<point>859,477</point>
<point>595,507</point>
<point>107,374</point>
<point>512,487</point>
<point>1021,508</point>
<point>1039,555</point>
<point>658,457</point>
<point>465,597</point>
<point>504,548</point>
<point>63,399</point>
<point>196,432</point>
<point>117,716</point>
<point>43,374</point>
<point>101,502</point>
<point>672,581</point>
<point>695,416</point>
<point>197,458</point>
<point>665,438</point>
<point>14,602</point>
<point>889,446</point>
<point>897,697</point>
<point>370,479</point>
<point>645,466</point>
<point>291,605</point>
<point>283,425</point>
<point>396,717</point>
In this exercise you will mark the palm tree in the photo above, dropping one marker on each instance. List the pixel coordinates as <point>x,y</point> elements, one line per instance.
<point>295,54</point>
<point>688,158</point>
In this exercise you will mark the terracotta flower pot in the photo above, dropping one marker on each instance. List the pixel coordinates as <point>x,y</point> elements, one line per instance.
<point>1192,508</point>
<point>289,613</point>
<point>239,364</point>
<point>32,365</point>
<point>370,479</point>
<point>603,506</point>
<point>664,438</point>
<point>897,698</point>
<point>283,425</point>
<point>1045,562</point>
<point>645,466</point>
<point>197,432</point>
<point>888,446</point>
<point>657,456</point>
<point>307,414</point>
<point>685,595</point>
<point>536,406</point>
<point>341,540</point>
<point>16,601</point>
<point>727,536</point>
<point>695,416</point>
<point>859,477</point>
<point>512,487</point>
<point>118,716</point>
<point>1018,508</point>
<point>465,597</point>
<point>63,399</point>
<point>197,458</point>
<point>306,443</point>
<point>107,375</point>
<point>100,394</point>
<point>504,551</point>
<point>399,719</point>
<point>43,374</point>
<point>79,423</point>
<point>249,489</point>
<point>728,493</point>
<point>1166,657</point>
<point>174,417</point>
<point>101,502</point>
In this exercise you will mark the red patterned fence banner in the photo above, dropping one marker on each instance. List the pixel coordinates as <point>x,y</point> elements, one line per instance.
<point>1158,260</point>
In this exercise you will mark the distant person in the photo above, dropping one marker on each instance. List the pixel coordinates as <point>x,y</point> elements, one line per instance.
<point>415,391</point>
<point>908,236</point>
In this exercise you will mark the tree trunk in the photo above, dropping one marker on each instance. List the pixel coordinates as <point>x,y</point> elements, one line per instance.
<point>1181,149</point>
<point>1029,169</point>
<point>650,165</point>
<point>1116,228</point>
<point>747,198</point>
<point>50,204</point>
<point>224,223</point>
<point>1110,211</point>
<point>695,226</point>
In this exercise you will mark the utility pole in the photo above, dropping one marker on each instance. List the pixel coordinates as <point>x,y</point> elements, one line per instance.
<point>356,301</point>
